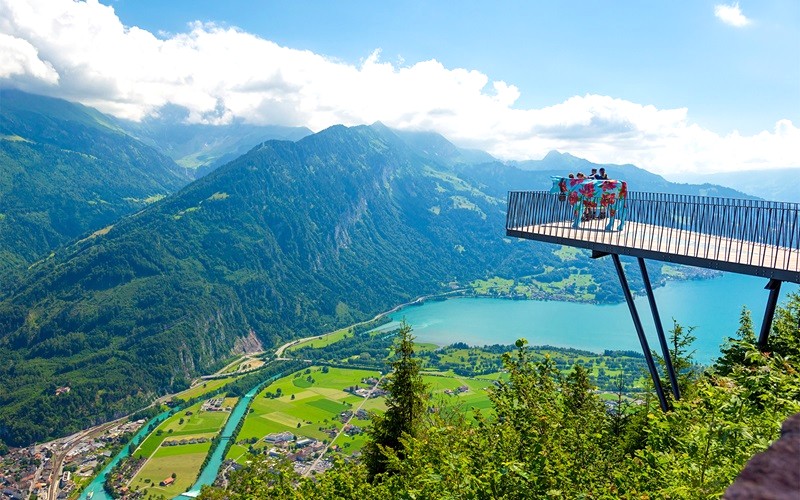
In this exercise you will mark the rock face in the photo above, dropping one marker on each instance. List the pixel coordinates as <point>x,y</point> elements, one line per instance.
<point>775,473</point>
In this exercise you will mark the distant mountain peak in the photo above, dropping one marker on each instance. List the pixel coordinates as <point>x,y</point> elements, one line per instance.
<point>553,155</point>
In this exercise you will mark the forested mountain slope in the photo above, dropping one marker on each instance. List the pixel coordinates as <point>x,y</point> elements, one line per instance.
<point>291,239</point>
<point>66,170</point>
<point>288,240</point>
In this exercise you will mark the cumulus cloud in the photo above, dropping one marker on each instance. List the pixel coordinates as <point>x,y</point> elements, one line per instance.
<point>81,51</point>
<point>731,14</point>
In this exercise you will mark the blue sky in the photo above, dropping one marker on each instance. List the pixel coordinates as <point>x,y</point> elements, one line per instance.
<point>666,53</point>
<point>698,86</point>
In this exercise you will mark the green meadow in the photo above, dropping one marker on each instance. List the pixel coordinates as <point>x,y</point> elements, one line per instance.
<point>165,463</point>
<point>321,341</point>
<point>184,460</point>
<point>309,401</point>
<point>204,387</point>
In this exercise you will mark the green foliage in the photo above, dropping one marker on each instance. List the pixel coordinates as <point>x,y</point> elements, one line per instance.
<point>548,435</point>
<point>69,172</point>
<point>406,404</point>
<point>158,299</point>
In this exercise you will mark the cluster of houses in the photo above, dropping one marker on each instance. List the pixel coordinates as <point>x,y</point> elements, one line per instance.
<point>296,449</point>
<point>366,392</point>
<point>21,471</point>
<point>25,472</point>
<point>455,392</point>
<point>215,404</point>
<point>178,442</point>
<point>360,414</point>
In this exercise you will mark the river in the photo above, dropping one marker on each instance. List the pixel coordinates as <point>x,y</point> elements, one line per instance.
<point>96,488</point>
<point>712,306</point>
<point>209,472</point>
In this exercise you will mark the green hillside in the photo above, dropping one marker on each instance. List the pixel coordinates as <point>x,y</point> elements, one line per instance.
<point>291,239</point>
<point>66,171</point>
<point>288,240</point>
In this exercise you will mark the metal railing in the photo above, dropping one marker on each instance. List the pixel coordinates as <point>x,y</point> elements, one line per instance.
<point>765,234</point>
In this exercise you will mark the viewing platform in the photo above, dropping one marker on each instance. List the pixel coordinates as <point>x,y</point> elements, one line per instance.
<point>759,238</point>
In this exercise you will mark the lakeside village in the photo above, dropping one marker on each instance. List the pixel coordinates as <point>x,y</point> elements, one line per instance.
<point>27,473</point>
<point>307,454</point>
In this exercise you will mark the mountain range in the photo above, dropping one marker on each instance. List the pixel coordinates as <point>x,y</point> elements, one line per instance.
<point>166,279</point>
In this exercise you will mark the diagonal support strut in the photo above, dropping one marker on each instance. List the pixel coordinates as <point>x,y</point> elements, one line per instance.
<point>774,287</point>
<point>673,380</point>
<point>637,323</point>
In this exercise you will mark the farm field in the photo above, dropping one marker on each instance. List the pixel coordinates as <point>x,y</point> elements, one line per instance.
<point>304,403</point>
<point>474,397</point>
<point>165,462</point>
<point>184,460</point>
<point>204,387</point>
<point>185,424</point>
<point>321,341</point>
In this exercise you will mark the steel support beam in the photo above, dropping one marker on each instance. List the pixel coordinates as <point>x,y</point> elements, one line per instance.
<point>774,287</point>
<point>637,323</point>
<point>673,380</point>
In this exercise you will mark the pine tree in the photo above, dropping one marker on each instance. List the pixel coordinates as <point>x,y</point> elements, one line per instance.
<point>735,349</point>
<point>406,404</point>
<point>679,343</point>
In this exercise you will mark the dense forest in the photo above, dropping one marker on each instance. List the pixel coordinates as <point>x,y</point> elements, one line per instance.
<point>67,170</point>
<point>550,436</point>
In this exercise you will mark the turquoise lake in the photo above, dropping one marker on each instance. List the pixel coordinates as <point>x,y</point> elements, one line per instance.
<point>712,306</point>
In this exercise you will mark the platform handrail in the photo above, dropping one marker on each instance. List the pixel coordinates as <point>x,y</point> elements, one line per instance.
<point>752,232</point>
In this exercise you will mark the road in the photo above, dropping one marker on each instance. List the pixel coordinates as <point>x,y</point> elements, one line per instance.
<point>73,440</point>
<point>279,351</point>
<point>321,455</point>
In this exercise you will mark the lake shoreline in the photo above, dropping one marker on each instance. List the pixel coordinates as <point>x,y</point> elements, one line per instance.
<point>712,306</point>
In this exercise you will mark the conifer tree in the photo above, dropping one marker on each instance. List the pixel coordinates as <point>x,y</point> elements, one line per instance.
<point>405,406</point>
<point>734,350</point>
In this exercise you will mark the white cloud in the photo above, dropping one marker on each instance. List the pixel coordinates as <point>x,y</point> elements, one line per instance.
<point>731,14</point>
<point>81,51</point>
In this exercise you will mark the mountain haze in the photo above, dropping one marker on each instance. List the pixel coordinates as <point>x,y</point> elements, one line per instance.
<point>201,148</point>
<point>535,175</point>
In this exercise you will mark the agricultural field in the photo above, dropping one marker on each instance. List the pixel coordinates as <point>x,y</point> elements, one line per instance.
<point>321,341</point>
<point>474,397</point>
<point>304,404</point>
<point>184,461</point>
<point>191,430</point>
<point>204,387</point>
